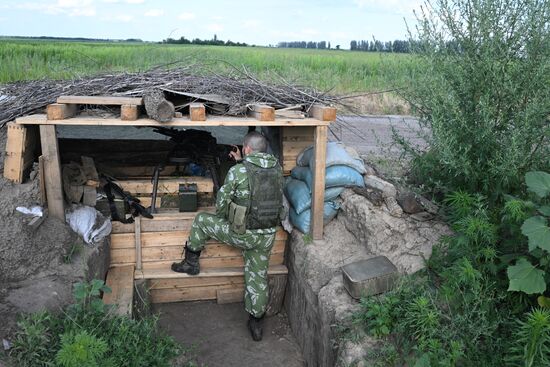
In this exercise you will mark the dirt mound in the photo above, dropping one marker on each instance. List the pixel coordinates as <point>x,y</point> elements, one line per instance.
<point>23,251</point>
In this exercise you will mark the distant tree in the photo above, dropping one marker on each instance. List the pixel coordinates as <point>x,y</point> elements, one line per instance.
<point>328,46</point>
<point>337,47</point>
<point>353,45</point>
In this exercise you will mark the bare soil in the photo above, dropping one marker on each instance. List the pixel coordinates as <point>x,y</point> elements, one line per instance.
<point>218,336</point>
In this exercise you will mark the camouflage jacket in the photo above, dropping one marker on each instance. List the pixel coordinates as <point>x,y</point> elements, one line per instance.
<point>236,186</point>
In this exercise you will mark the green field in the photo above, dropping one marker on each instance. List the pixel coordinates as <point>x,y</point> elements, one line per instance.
<point>339,71</point>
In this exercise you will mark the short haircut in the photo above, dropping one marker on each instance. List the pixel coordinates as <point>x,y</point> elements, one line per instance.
<point>255,141</point>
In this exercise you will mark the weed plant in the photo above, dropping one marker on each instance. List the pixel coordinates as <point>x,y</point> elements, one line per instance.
<point>89,334</point>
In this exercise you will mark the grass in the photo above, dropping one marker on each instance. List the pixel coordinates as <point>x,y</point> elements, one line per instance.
<point>339,71</point>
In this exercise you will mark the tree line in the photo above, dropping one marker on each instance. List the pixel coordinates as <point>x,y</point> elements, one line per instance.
<point>399,46</point>
<point>197,41</point>
<point>322,45</point>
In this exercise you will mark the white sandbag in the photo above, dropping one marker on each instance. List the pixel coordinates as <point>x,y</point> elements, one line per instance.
<point>337,154</point>
<point>90,224</point>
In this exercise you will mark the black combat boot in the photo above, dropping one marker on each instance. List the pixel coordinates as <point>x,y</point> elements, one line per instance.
<point>190,264</point>
<point>255,327</point>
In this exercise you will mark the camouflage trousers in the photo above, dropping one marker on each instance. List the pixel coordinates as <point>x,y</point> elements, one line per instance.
<point>255,247</point>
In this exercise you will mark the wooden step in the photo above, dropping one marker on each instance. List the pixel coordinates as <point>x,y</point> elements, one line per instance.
<point>225,285</point>
<point>214,253</point>
<point>121,281</point>
<point>164,272</point>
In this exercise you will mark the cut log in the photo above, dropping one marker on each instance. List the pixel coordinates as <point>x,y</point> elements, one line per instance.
<point>157,107</point>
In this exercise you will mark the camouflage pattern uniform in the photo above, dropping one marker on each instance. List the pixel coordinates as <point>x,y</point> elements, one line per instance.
<point>255,244</point>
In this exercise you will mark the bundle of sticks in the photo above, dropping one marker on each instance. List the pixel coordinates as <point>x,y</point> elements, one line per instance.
<point>227,94</point>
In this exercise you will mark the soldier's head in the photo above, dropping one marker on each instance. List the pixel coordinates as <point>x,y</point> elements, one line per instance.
<point>254,142</point>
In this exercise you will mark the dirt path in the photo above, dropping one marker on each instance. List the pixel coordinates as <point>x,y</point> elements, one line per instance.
<point>219,337</point>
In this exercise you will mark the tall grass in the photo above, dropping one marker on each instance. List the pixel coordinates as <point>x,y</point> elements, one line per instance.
<point>340,71</point>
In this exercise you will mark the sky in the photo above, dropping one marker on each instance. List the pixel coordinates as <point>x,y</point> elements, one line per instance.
<point>254,22</point>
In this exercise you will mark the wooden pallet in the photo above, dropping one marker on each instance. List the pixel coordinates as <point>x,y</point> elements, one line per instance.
<point>152,245</point>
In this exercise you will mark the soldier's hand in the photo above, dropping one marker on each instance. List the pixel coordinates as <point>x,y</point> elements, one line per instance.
<point>236,153</point>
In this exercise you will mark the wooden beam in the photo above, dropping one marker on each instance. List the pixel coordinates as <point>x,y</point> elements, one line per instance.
<point>322,113</point>
<point>101,100</point>
<point>52,172</point>
<point>129,112</point>
<point>59,111</point>
<point>318,191</point>
<point>262,112</point>
<point>185,122</point>
<point>197,112</point>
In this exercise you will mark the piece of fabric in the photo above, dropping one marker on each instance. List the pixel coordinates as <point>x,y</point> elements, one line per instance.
<point>236,186</point>
<point>303,221</point>
<point>256,248</point>
<point>337,154</point>
<point>298,194</point>
<point>335,176</point>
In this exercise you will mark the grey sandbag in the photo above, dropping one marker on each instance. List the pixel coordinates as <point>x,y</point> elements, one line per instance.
<point>303,221</point>
<point>298,194</point>
<point>337,154</point>
<point>335,176</point>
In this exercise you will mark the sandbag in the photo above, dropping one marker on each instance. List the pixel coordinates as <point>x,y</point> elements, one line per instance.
<point>303,221</point>
<point>335,176</point>
<point>337,154</point>
<point>298,194</point>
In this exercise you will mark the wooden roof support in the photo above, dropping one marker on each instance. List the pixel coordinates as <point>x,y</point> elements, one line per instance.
<point>52,172</point>
<point>262,112</point>
<point>60,111</point>
<point>318,191</point>
<point>323,113</point>
<point>197,112</point>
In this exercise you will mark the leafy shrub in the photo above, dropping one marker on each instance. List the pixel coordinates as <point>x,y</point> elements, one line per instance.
<point>483,92</point>
<point>88,333</point>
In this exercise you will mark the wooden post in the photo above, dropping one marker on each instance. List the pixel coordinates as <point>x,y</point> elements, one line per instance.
<point>262,112</point>
<point>137,232</point>
<point>52,172</point>
<point>15,151</point>
<point>318,191</point>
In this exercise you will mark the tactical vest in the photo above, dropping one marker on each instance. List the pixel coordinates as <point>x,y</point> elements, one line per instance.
<point>264,203</point>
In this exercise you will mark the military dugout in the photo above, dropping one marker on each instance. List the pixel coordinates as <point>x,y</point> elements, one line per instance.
<point>141,251</point>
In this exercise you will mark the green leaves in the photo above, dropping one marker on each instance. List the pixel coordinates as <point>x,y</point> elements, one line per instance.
<point>538,182</point>
<point>524,277</point>
<point>537,230</point>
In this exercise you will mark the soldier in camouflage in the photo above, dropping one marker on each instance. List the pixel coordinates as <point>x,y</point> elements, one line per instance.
<point>248,208</point>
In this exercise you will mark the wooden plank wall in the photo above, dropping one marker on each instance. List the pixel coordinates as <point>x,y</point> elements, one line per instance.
<point>294,140</point>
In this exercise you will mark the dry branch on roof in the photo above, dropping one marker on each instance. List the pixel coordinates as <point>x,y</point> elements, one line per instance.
<point>228,94</point>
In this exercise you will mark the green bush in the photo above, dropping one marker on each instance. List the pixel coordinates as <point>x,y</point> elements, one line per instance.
<point>483,93</point>
<point>475,303</point>
<point>88,333</point>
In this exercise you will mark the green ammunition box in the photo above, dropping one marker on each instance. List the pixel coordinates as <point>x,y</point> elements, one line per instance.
<point>188,197</point>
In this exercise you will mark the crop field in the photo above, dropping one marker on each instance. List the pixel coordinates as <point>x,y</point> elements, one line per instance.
<point>338,71</point>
